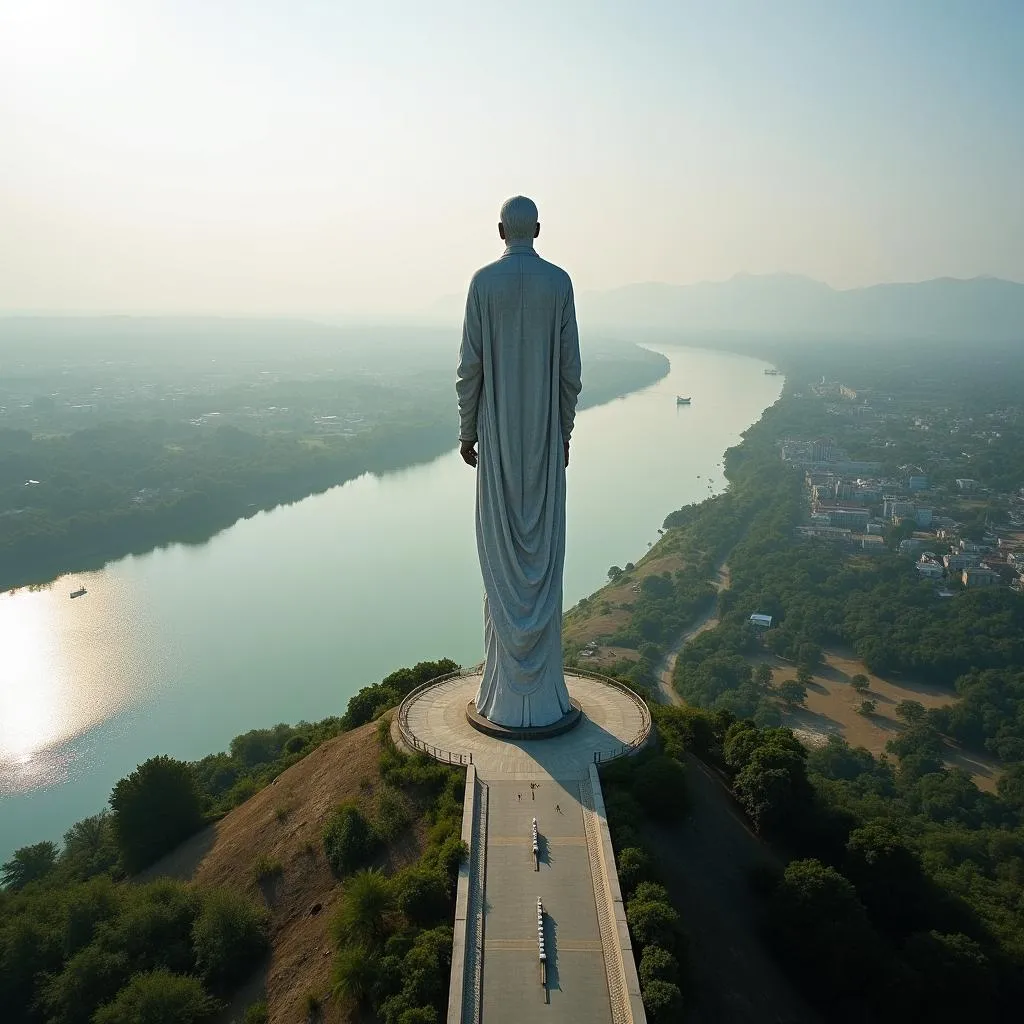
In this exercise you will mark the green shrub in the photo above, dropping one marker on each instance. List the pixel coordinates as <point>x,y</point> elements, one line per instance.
<point>363,916</point>
<point>449,855</point>
<point>265,867</point>
<point>658,964</point>
<point>158,997</point>
<point>92,977</point>
<point>256,1013</point>
<point>296,744</point>
<point>349,842</point>
<point>355,973</point>
<point>634,867</point>
<point>419,1015</point>
<point>229,936</point>
<point>662,1000</point>
<point>422,895</point>
<point>392,815</point>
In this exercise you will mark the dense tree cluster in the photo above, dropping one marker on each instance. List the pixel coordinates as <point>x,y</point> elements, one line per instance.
<point>99,951</point>
<point>650,788</point>
<point>393,933</point>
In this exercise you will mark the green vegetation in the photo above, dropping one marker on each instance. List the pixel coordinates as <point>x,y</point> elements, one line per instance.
<point>78,945</point>
<point>393,933</point>
<point>649,788</point>
<point>97,951</point>
<point>903,897</point>
<point>155,807</point>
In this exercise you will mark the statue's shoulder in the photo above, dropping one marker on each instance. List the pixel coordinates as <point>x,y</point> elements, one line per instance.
<point>501,268</point>
<point>555,271</point>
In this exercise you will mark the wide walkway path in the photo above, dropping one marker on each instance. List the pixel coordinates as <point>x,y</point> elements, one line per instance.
<point>591,976</point>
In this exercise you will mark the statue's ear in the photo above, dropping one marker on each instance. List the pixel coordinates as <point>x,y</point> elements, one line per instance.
<point>536,230</point>
<point>501,231</point>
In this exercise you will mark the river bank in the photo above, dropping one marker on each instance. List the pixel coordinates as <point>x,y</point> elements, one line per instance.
<point>285,615</point>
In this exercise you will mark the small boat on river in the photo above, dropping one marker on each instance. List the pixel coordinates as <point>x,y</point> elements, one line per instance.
<point>80,592</point>
<point>682,401</point>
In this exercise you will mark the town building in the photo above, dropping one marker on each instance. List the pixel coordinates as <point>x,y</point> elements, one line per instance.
<point>979,577</point>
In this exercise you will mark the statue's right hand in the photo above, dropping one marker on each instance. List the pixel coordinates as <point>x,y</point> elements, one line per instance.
<point>468,452</point>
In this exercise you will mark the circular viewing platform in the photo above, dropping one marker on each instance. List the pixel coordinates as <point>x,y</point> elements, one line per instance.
<point>610,721</point>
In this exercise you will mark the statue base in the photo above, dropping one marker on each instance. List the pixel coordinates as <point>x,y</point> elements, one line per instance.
<point>568,721</point>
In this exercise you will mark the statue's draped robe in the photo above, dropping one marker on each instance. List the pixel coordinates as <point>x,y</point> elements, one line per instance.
<point>518,382</point>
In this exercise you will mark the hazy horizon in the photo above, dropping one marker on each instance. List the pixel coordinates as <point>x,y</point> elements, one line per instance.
<point>327,160</point>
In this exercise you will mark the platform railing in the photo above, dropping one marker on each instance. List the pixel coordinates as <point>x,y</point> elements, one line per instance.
<point>410,738</point>
<point>439,753</point>
<point>642,734</point>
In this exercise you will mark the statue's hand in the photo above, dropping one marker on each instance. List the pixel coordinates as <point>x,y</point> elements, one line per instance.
<point>565,445</point>
<point>468,452</point>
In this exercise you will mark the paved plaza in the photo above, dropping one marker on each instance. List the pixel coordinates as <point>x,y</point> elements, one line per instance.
<point>611,719</point>
<point>591,977</point>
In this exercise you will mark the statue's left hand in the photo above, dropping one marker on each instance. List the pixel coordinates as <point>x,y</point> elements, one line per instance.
<point>468,452</point>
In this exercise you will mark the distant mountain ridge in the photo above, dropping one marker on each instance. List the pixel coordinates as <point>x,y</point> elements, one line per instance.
<point>981,308</point>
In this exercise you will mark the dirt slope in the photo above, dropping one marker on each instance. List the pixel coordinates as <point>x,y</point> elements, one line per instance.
<point>283,824</point>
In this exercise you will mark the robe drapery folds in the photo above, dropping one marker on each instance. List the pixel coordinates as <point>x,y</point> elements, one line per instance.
<point>518,383</point>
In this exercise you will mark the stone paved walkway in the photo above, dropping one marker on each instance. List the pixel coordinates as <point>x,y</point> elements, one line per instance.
<point>589,980</point>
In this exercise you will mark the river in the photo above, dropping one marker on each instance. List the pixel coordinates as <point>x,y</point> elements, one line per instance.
<point>284,616</point>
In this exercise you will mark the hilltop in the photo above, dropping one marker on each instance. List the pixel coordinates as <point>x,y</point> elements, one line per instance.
<point>283,825</point>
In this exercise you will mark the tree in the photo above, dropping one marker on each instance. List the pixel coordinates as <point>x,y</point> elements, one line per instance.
<point>809,656</point>
<point>763,675</point>
<point>614,573</point>
<point>860,682</point>
<point>867,708</point>
<point>888,877</point>
<point>821,926</point>
<point>793,692</point>
<point>663,1000</point>
<point>29,864</point>
<point>652,920</point>
<point>634,867</point>
<point>629,567</point>
<point>804,675</point>
<point>90,846</point>
<point>348,840</point>
<point>155,808</point>
<point>158,997</point>
<point>772,787</point>
<point>658,963</point>
<point>367,901</point>
<point>911,711</point>
<point>229,935</point>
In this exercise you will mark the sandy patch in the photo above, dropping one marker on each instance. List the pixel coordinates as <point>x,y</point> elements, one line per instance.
<point>832,705</point>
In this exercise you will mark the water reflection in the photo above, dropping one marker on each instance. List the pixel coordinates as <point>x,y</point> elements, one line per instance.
<point>65,666</point>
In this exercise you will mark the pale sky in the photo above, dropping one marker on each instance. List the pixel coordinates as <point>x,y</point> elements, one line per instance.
<point>323,157</point>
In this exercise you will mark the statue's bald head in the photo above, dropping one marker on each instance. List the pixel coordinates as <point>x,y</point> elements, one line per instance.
<point>519,221</point>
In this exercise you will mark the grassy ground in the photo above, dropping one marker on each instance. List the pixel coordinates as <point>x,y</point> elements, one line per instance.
<point>832,705</point>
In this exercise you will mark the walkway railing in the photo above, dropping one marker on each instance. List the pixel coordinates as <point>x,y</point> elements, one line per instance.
<point>642,734</point>
<point>409,737</point>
